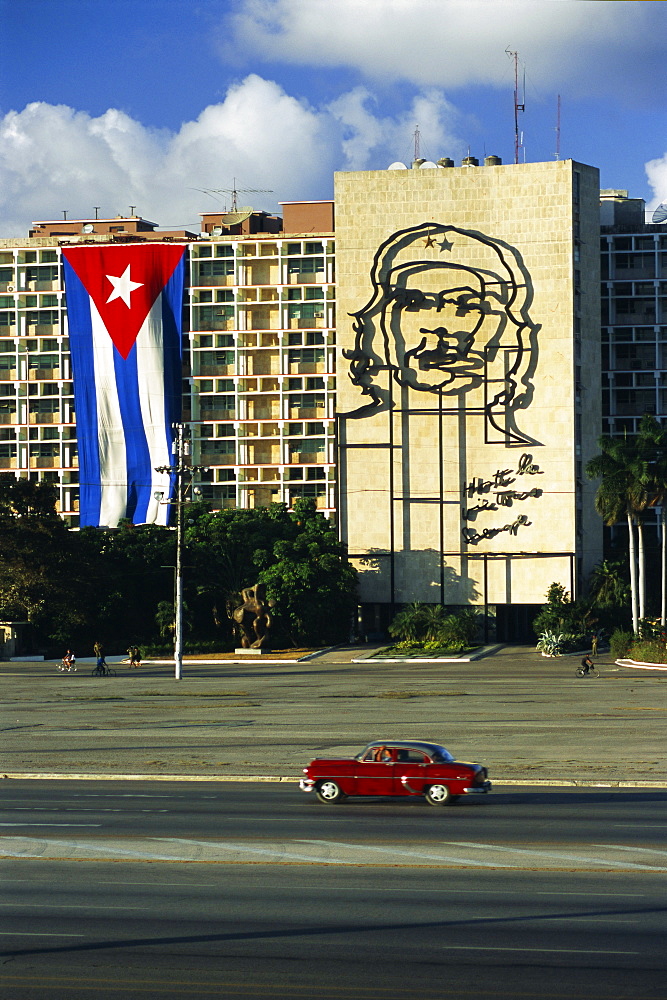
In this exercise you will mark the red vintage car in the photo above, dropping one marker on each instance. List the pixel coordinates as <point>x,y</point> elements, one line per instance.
<point>395,767</point>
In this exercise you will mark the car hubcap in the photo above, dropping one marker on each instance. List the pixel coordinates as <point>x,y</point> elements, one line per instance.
<point>329,790</point>
<point>439,793</point>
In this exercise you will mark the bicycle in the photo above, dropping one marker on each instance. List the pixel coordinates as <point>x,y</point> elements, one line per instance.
<point>102,670</point>
<point>591,671</point>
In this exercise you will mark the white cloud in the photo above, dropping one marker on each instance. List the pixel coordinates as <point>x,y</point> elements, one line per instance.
<point>571,44</point>
<point>656,171</point>
<point>367,139</point>
<point>54,158</point>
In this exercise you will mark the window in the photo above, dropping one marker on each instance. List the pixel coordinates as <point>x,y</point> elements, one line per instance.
<point>45,361</point>
<point>307,265</point>
<point>219,447</point>
<point>306,310</point>
<point>215,269</point>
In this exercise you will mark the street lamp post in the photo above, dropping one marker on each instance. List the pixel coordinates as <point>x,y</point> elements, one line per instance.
<point>181,498</point>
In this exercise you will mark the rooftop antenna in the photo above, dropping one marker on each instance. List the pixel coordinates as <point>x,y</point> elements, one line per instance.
<point>417,137</point>
<point>97,208</point>
<point>558,129</point>
<point>234,191</point>
<point>65,215</point>
<point>517,105</point>
<point>132,208</point>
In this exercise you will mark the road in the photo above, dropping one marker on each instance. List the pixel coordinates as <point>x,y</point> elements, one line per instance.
<point>258,891</point>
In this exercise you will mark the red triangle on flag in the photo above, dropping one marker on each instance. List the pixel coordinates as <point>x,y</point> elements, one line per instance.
<point>124,282</point>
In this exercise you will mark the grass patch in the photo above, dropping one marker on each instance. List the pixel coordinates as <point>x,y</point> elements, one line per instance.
<point>418,651</point>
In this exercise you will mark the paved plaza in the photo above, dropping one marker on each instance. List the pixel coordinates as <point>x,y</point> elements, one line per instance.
<point>529,719</point>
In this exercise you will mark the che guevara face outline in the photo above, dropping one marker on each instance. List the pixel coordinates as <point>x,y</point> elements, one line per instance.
<point>434,356</point>
<point>442,352</point>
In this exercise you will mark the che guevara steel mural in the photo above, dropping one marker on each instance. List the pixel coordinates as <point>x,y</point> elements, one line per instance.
<point>448,319</point>
<point>449,315</point>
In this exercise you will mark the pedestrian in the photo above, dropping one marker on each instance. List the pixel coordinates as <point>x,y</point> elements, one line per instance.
<point>136,653</point>
<point>131,653</point>
<point>97,649</point>
<point>594,644</point>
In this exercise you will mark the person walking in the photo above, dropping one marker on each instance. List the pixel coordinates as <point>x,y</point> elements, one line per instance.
<point>131,651</point>
<point>99,654</point>
<point>136,655</point>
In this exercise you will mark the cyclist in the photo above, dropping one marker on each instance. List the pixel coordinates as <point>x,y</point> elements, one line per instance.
<point>587,664</point>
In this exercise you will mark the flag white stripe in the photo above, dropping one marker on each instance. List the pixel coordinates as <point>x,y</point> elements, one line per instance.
<point>113,464</point>
<point>150,372</point>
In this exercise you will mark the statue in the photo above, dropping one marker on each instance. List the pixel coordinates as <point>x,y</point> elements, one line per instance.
<point>254,617</point>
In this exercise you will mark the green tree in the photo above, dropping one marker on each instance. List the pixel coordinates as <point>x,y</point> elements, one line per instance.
<point>226,550</point>
<point>652,447</point>
<point>309,577</point>
<point>608,586</point>
<point>37,565</point>
<point>622,493</point>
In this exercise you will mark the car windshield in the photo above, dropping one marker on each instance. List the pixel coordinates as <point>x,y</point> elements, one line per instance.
<point>440,754</point>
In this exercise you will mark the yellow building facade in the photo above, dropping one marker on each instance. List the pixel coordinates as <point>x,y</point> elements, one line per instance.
<point>468,382</point>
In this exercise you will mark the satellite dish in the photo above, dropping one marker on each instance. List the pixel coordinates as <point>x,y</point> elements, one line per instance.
<point>428,165</point>
<point>397,166</point>
<point>660,214</point>
<point>234,218</point>
<point>216,231</point>
<point>89,228</point>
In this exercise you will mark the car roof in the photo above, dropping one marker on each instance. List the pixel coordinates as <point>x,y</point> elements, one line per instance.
<point>407,744</point>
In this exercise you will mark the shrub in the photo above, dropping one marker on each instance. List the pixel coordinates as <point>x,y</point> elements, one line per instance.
<point>430,626</point>
<point>648,651</point>
<point>620,643</point>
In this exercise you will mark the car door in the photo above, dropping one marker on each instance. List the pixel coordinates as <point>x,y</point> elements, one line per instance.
<point>375,773</point>
<point>410,772</point>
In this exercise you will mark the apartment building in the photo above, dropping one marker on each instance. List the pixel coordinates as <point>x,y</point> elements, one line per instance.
<point>633,254</point>
<point>258,360</point>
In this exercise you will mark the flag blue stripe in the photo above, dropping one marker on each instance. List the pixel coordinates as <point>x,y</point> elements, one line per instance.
<point>172,299</point>
<point>85,397</point>
<point>137,456</point>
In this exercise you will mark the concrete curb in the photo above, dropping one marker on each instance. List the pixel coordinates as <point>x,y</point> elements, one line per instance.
<point>636,665</point>
<point>266,778</point>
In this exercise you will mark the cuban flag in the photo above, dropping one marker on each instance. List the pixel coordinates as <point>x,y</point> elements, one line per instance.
<point>124,306</point>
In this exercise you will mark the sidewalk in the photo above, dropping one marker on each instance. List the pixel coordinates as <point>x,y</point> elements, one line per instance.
<point>529,719</point>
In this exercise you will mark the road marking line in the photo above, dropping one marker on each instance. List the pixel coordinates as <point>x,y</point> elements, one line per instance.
<point>408,854</point>
<point>635,850</point>
<point>561,857</point>
<point>244,849</point>
<point>51,824</point>
<point>36,934</point>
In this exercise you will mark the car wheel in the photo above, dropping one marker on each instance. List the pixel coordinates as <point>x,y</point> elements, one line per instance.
<point>328,791</point>
<point>438,795</point>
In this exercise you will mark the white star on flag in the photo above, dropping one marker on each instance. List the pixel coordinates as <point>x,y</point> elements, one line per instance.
<point>123,286</point>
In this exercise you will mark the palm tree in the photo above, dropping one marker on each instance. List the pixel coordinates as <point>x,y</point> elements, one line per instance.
<point>608,587</point>
<point>652,443</point>
<point>621,493</point>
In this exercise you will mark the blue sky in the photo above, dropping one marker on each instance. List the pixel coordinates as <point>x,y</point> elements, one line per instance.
<point>114,103</point>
